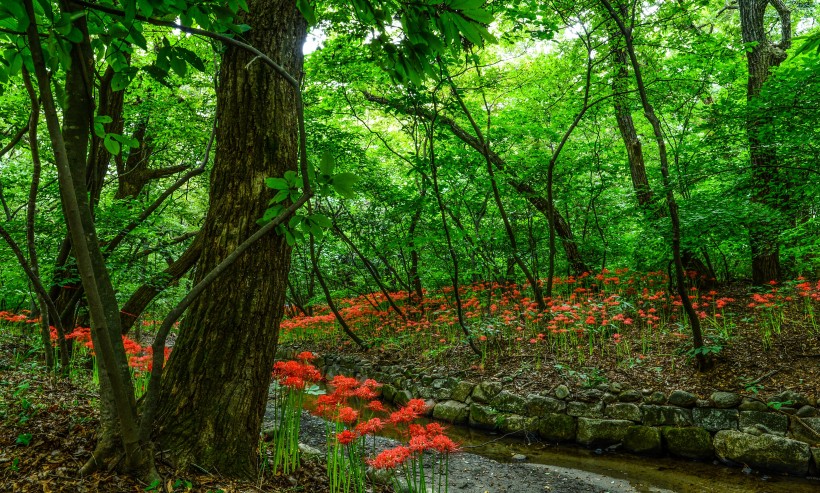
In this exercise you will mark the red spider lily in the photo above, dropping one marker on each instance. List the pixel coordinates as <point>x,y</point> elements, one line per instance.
<point>443,444</point>
<point>391,458</point>
<point>306,356</point>
<point>347,415</point>
<point>417,405</point>
<point>370,427</point>
<point>376,406</point>
<point>403,415</point>
<point>346,437</point>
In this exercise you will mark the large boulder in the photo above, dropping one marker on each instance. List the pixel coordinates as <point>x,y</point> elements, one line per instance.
<point>765,422</point>
<point>666,416</point>
<point>452,412</point>
<point>643,440</point>
<point>555,427</point>
<point>624,410</point>
<point>691,442</point>
<point>765,451</point>
<point>586,409</point>
<point>539,404</point>
<point>805,429</point>
<point>601,431</point>
<point>485,391</point>
<point>461,391</point>
<point>682,398</point>
<point>715,419</point>
<point>506,401</point>
<point>725,400</point>
<point>483,417</point>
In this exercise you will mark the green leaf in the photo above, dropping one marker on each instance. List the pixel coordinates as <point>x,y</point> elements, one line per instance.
<point>277,183</point>
<point>327,164</point>
<point>321,220</point>
<point>179,66</point>
<point>307,11</point>
<point>343,184</point>
<point>145,7</point>
<point>112,145</point>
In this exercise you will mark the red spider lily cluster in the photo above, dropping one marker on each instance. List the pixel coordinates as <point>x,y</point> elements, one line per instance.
<point>140,358</point>
<point>296,374</point>
<point>584,311</point>
<point>348,429</point>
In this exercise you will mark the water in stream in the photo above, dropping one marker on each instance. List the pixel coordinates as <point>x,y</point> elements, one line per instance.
<point>644,474</point>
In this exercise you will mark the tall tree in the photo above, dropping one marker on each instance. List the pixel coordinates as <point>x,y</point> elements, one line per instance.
<point>213,397</point>
<point>761,56</point>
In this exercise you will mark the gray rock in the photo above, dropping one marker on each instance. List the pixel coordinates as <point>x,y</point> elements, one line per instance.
<point>715,419</point>
<point>589,395</point>
<point>429,406</point>
<point>452,412</point>
<point>630,396</point>
<point>506,401</point>
<point>402,397</point>
<point>539,404</point>
<point>795,398</point>
<point>806,412</point>
<point>513,423</point>
<point>656,398</point>
<point>765,451</point>
<point>556,427</point>
<point>388,392</point>
<point>308,452</point>
<point>518,458</point>
<point>601,431</point>
<point>616,387</point>
<point>805,429</point>
<point>586,409</point>
<point>703,403</point>
<point>561,392</point>
<point>752,405</point>
<point>483,417</point>
<point>643,440</point>
<point>444,394</point>
<point>773,423</point>
<point>666,416</point>
<point>461,391</point>
<point>609,398</point>
<point>725,400</point>
<point>681,398</point>
<point>624,410</point>
<point>690,442</point>
<point>485,391</point>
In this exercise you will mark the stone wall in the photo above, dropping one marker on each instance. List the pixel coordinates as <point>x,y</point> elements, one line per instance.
<point>734,429</point>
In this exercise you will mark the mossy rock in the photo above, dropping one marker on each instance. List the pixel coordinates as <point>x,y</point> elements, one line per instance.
<point>690,443</point>
<point>643,440</point>
<point>556,427</point>
<point>601,431</point>
<point>767,452</point>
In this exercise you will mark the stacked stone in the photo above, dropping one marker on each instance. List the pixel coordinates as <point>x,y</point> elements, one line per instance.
<point>784,437</point>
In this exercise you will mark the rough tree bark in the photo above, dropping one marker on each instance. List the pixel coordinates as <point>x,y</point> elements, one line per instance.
<point>760,58</point>
<point>213,395</point>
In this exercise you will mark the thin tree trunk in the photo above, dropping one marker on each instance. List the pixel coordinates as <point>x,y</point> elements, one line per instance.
<point>702,362</point>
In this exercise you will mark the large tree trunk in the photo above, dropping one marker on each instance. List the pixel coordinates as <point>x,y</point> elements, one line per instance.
<point>763,231</point>
<point>216,385</point>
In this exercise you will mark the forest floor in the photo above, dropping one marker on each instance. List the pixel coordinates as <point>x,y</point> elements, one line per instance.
<point>742,363</point>
<point>47,432</point>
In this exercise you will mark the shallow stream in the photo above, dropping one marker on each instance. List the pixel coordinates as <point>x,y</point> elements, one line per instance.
<point>487,466</point>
